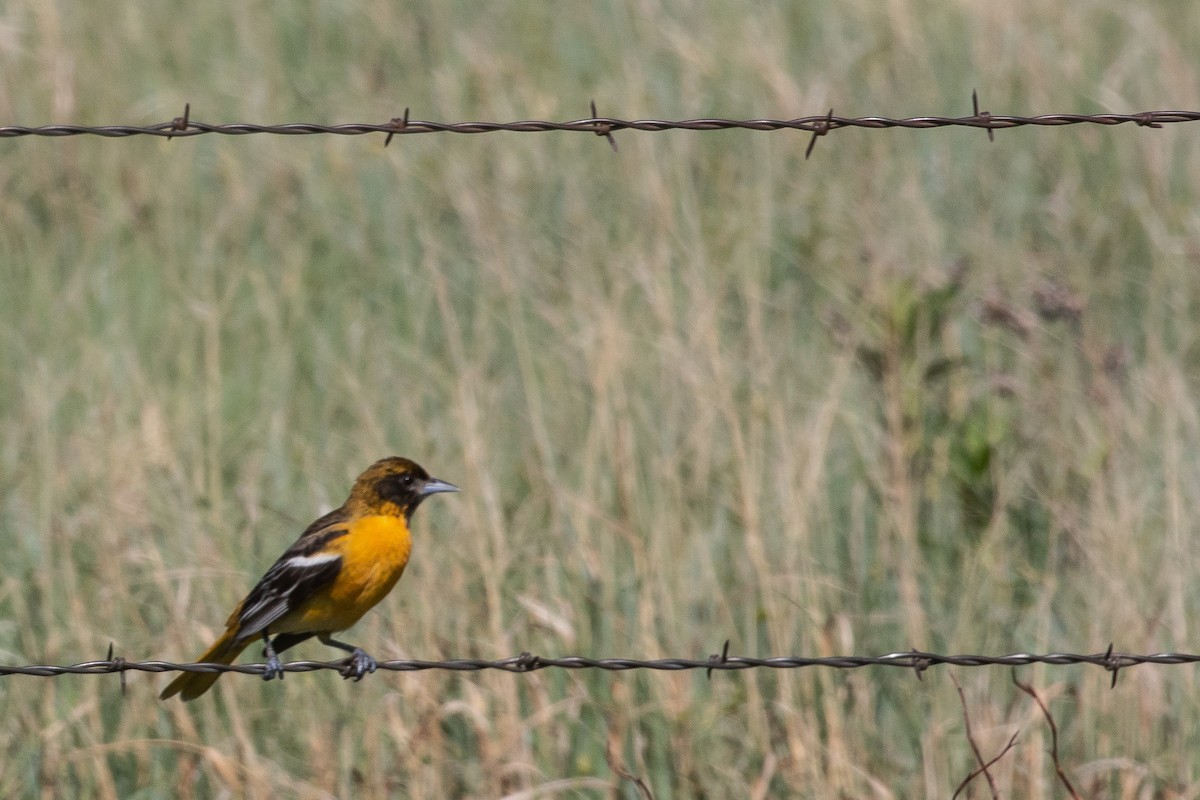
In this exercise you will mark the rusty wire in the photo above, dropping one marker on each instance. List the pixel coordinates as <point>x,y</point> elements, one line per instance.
<point>527,662</point>
<point>821,125</point>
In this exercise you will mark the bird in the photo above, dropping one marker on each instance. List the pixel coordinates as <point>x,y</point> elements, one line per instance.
<point>340,567</point>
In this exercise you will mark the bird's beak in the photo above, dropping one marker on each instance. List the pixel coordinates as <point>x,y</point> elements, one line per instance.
<point>435,486</point>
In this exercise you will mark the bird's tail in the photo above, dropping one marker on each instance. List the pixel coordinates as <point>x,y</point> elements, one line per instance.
<point>191,685</point>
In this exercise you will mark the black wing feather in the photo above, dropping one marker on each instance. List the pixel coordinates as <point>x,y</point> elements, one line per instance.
<point>285,585</point>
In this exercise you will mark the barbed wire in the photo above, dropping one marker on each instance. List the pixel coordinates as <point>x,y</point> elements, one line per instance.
<point>527,662</point>
<point>821,125</point>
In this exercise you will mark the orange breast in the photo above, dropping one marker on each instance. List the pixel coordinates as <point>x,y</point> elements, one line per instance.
<point>374,555</point>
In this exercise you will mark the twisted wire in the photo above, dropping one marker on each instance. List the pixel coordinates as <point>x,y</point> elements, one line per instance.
<point>527,662</point>
<point>602,126</point>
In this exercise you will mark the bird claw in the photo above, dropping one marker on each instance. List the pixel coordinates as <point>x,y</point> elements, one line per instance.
<point>274,668</point>
<point>358,665</point>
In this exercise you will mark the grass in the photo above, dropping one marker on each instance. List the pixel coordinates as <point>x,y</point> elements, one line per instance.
<point>917,391</point>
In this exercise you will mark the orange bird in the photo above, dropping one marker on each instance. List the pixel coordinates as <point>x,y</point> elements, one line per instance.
<point>339,568</point>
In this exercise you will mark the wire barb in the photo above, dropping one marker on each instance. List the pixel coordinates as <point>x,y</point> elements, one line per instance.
<point>117,665</point>
<point>1146,119</point>
<point>180,123</point>
<point>920,664</point>
<point>984,117</point>
<point>400,124</point>
<point>820,128</point>
<point>718,659</point>
<point>527,662</point>
<point>603,128</point>
<point>1113,665</point>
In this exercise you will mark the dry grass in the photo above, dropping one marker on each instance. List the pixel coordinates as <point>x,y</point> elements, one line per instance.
<point>918,391</point>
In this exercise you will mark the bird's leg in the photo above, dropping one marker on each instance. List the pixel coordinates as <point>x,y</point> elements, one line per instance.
<point>286,641</point>
<point>358,664</point>
<point>274,668</point>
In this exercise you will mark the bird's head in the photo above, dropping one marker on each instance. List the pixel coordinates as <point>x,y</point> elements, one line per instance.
<point>395,486</point>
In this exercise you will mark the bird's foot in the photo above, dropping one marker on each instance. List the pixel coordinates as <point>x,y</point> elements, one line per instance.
<point>274,667</point>
<point>358,665</point>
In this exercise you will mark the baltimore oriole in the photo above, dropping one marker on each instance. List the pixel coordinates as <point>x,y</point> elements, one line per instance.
<point>341,566</point>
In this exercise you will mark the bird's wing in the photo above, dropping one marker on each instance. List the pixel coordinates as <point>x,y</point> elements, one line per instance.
<point>304,569</point>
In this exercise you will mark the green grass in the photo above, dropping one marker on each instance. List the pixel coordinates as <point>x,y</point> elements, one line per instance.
<point>699,390</point>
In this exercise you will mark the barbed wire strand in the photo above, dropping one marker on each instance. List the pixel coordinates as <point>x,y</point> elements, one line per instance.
<point>527,662</point>
<point>818,126</point>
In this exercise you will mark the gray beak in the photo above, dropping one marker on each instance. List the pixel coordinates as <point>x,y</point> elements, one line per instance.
<point>435,486</point>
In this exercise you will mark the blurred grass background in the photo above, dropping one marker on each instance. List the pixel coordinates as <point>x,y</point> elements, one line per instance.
<point>918,391</point>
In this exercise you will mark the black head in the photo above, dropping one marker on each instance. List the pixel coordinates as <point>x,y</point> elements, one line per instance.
<point>397,481</point>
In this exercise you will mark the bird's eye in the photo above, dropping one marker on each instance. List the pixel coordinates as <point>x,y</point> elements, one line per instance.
<point>407,479</point>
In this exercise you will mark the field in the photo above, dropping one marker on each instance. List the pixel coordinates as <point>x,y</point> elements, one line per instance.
<point>918,391</point>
